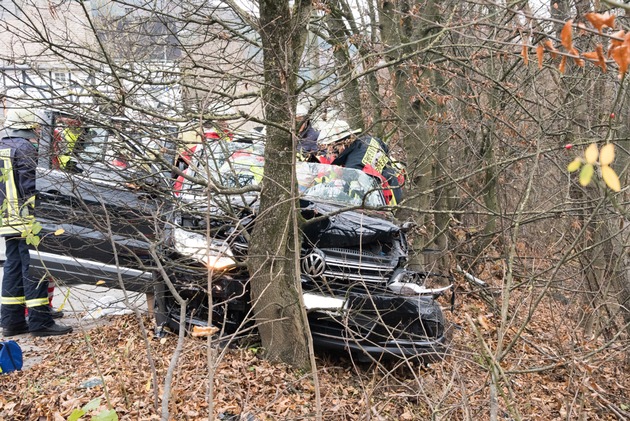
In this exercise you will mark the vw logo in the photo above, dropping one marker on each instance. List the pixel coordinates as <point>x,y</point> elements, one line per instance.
<point>314,264</point>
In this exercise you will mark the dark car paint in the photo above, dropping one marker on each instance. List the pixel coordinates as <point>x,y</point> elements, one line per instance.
<point>364,252</point>
<point>347,228</point>
<point>96,223</point>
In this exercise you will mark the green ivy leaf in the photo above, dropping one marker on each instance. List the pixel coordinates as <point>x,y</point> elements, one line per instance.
<point>586,174</point>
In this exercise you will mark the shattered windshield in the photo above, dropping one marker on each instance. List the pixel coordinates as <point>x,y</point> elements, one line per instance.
<point>329,183</point>
<point>338,184</point>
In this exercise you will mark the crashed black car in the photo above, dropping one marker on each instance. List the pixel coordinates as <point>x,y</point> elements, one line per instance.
<point>97,216</point>
<point>358,294</point>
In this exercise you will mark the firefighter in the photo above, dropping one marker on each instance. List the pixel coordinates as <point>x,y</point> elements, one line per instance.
<point>307,135</point>
<point>341,146</point>
<point>68,141</point>
<point>18,153</point>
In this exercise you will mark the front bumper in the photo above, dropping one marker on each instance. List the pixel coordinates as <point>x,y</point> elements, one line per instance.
<point>378,325</point>
<point>425,350</point>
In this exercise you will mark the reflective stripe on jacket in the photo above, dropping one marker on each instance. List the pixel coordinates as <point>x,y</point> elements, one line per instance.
<point>18,166</point>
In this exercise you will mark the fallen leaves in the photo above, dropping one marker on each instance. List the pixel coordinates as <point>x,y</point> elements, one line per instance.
<point>200,331</point>
<point>248,387</point>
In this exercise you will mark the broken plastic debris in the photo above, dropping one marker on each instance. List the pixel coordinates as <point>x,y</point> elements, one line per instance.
<point>96,381</point>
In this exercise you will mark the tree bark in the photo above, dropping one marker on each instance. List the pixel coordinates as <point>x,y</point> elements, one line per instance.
<point>351,92</point>
<point>275,283</point>
<point>414,110</point>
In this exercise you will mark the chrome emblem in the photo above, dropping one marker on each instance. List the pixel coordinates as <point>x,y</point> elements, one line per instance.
<point>314,264</point>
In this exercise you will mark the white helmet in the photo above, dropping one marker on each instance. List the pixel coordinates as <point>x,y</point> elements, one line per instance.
<point>334,131</point>
<point>22,119</point>
<point>301,110</point>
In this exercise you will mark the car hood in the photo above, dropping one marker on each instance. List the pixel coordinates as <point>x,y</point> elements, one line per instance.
<point>345,229</point>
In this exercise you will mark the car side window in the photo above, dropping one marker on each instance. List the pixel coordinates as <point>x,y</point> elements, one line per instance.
<point>85,149</point>
<point>94,147</point>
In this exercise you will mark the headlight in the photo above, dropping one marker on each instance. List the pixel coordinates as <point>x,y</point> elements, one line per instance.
<point>406,288</point>
<point>213,253</point>
<point>405,282</point>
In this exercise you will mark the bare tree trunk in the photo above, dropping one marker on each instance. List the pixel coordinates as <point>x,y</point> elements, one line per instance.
<point>275,284</point>
<point>414,111</point>
<point>351,92</point>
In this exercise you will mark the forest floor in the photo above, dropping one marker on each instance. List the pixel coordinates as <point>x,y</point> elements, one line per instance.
<point>551,372</point>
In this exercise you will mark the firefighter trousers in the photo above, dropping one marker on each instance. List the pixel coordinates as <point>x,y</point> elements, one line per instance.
<point>20,291</point>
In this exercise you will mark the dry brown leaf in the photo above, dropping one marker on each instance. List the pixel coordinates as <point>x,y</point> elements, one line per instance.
<point>599,49</point>
<point>566,35</point>
<point>590,55</point>
<point>616,39</point>
<point>484,322</point>
<point>600,20</point>
<point>576,57</point>
<point>199,331</point>
<point>621,55</point>
<point>552,49</point>
<point>540,51</point>
<point>563,64</point>
<point>525,54</point>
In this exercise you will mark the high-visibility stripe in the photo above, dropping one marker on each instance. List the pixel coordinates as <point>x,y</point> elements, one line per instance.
<point>11,190</point>
<point>37,302</point>
<point>13,300</point>
<point>14,219</point>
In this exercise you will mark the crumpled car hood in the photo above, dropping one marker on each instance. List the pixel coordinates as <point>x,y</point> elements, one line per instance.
<point>345,229</point>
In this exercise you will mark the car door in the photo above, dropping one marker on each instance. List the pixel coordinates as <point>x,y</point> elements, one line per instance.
<point>97,218</point>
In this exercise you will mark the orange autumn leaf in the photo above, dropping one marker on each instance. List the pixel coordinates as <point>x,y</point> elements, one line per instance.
<point>616,40</point>
<point>566,36</point>
<point>621,55</point>
<point>576,57</point>
<point>540,51</point>
<point>599,49</point>
<point>549,45</point>
<point>525,55</point>
<point>600,20</point>
<point>590,55</point>
<point>563,64</point>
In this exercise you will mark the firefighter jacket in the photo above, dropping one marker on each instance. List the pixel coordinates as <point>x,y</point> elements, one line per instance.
<point>70,137</point>
<point>371,155</point>
<point>307,142</point>
<point>18,165</point>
